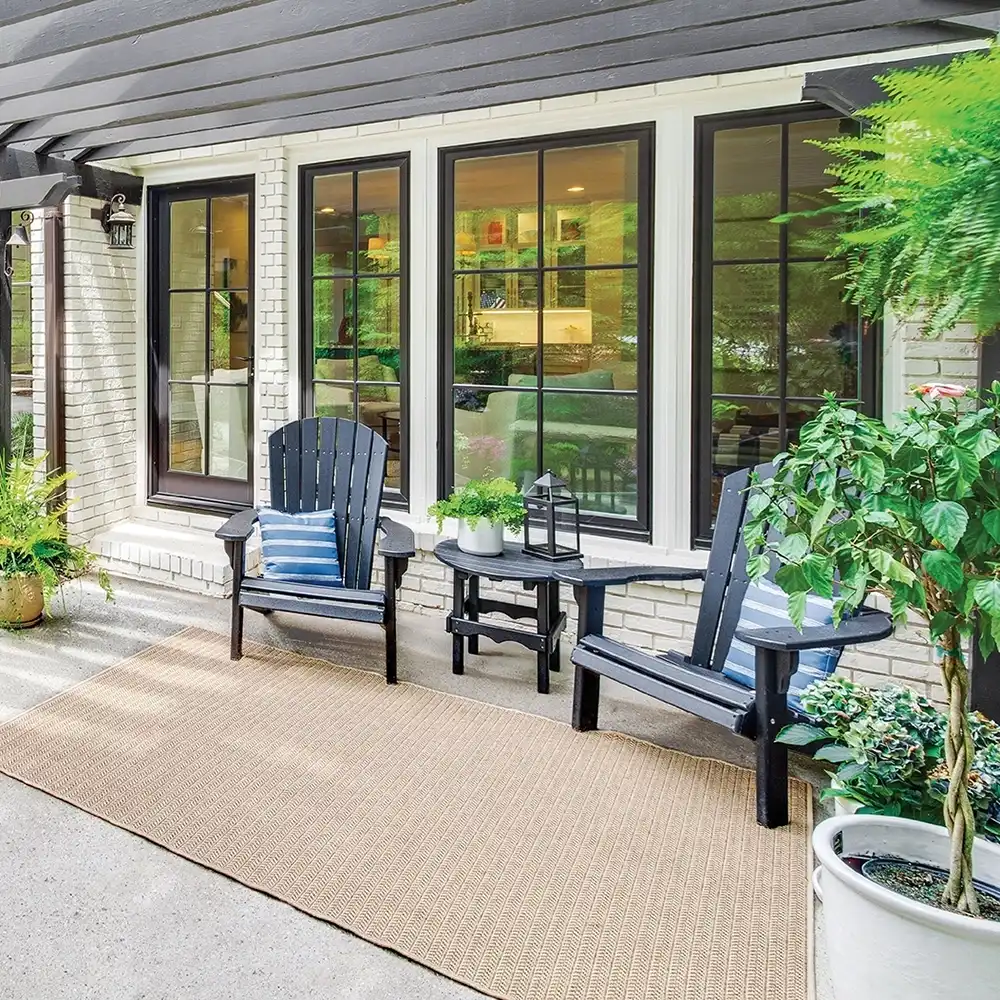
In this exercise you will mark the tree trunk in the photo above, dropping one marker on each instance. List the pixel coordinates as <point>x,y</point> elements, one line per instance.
<point>958,815</point>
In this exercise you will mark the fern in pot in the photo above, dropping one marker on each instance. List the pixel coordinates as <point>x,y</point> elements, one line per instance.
<point>483,509</point>
<point>36,556</point>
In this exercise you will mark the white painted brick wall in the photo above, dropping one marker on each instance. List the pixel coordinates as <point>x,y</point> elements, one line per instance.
<point>38,330</point>
<point>275,298</point>
<point>100,372</point>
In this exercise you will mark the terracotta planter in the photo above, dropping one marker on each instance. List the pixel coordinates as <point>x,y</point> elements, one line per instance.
<point>21,601</point>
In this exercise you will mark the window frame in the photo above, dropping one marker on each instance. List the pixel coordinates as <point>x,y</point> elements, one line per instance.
<point>398,499</point>
<point>644,134</point>
<point>702,329</point>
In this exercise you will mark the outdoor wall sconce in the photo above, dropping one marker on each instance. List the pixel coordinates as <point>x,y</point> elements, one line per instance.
<point>118,223</point>
<point>16,236</point>
<point>557,513</point>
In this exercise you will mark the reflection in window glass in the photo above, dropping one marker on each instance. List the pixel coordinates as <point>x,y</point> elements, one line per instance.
<point>354,328</point>
<point>548,328</point>
<point>775,323</point>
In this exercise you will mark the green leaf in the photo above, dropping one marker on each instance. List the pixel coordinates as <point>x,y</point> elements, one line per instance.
<point>891,569</point>
<point>835,753</point>
<point>991,522</point>
<point>819,574</point>
<point>941,622</point>
<point>987,595</point>
<point>797,609</point>
<point>871,471</point>
<point>944,568</point>
<point>758,565</point>
<point>791,579</point>
<point>794,547</point>
<point>946,520</point>
<point>850,771</point>
<point>801,734</point>
<point>820,519</point>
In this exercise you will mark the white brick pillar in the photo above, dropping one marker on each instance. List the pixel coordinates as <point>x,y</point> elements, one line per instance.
<point>100,372</point>
<point>271,349</point>
<point>38,330</point>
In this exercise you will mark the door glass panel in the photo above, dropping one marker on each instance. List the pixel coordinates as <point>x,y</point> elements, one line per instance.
<point>808,187</point>
<point>333,224</point>
<point>21,361</point>
<point>747,193</point>
<point>591,204</point>
<point>187,428</point>
<point>187,335</point>
<point>231,242</point>
<point>188,243</point>
<point>333,400</point>
<point>485,436</point>
<point>230,331</point>
<point>229,430</point>
<point>378,314</point>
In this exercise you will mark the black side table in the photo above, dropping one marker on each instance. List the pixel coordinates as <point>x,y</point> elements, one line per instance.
<point>535,574</point>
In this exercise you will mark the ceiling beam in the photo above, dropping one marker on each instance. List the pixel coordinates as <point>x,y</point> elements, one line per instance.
<point>46,34</point>
<point>733,60</point>
<point>394,79</point>
<point>338,46</point>
<point>376,54</point>
<point>199,37</point>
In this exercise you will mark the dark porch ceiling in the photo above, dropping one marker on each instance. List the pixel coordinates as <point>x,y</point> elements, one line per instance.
<point>91,79</point>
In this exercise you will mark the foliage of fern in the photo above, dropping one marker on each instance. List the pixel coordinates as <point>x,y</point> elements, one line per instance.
<point>921,188</point>
<point>33,539</point>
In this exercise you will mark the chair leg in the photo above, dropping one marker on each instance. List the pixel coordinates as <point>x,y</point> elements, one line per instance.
<point>586,699</point>
<point>458,611</point>
<point>235,552</point>
<point>773,670</point>
<point>391,585</point>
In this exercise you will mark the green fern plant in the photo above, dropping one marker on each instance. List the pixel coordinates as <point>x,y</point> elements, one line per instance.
<point>920,187</point>
<point>33,539</point>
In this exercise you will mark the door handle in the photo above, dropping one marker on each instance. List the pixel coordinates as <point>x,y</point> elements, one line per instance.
<point>249,361</point>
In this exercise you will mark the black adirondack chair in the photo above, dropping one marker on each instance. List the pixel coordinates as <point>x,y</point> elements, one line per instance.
<point>694,682</point>
<point>324,463</point>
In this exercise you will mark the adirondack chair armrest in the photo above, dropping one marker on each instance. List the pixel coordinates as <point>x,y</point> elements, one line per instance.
<point>870,626</point>
<point>239,527</point>
<point>612,576</point>
<point>396,541</point>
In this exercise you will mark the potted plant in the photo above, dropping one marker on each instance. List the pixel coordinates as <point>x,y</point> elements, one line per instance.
<point>36,557</point>
<point>911,512</point>
<point>886,748</point>
<point>483,508</point>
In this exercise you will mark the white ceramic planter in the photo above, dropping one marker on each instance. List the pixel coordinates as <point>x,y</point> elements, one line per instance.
<point>884,946</point>
<point>486,539</point>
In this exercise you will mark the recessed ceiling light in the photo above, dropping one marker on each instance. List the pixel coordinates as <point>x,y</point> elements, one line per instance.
<point>328,210</point>
<point>576,189</point>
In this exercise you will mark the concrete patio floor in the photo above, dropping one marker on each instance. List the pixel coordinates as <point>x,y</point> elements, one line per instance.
<point>90,911</point>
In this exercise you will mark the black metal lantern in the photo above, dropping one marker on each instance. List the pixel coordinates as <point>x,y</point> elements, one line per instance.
<point>118,223</point>
<point>16,236</point>
<point>554,513</point>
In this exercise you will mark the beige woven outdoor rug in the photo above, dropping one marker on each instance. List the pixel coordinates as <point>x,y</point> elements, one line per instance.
<point>501,849</point>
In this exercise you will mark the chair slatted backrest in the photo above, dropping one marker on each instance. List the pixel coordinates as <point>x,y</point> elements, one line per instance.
<point>739,580</point>
<point>727,536</point>
<point>329,463</point>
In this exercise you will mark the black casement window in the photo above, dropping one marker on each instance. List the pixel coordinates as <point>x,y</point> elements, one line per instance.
<point>354,300</point>
<point>545,304</point>
<point>772,332</point>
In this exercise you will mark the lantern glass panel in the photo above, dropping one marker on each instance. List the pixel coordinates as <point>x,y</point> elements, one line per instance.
<point>552,524</point>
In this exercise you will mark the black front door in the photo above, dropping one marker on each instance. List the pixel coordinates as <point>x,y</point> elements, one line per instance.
<point>201,426</point>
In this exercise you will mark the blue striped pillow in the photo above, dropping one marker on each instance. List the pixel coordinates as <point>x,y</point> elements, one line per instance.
<point>300,548</point>
<point>766,606</point>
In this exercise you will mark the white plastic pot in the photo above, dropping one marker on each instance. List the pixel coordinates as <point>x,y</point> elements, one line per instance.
<point>884,946</point>
<point>486,539</point>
